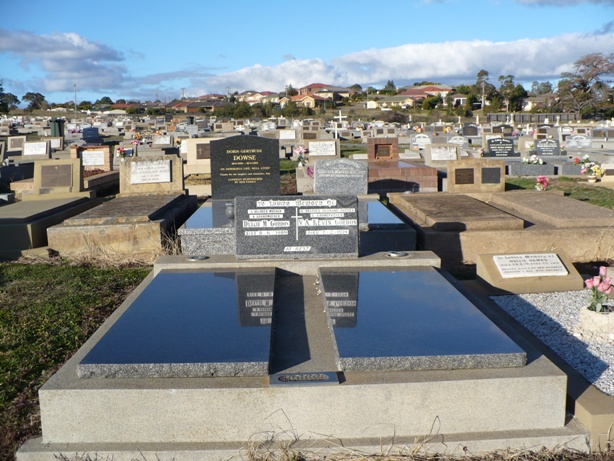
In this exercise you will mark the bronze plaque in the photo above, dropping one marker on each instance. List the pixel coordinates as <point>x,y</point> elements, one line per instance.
<point>382,150</point>
<point>491,175</point>
<point>203,151</point>
<point>56,176</point>
<point>310,135</point>
<point>464,176</point>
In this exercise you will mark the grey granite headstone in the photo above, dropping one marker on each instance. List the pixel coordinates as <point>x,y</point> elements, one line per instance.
<point>341,176</point>
<point>293,227</point>
<point>244,166</point>
<point>470,129</point>
<point>547,147</point>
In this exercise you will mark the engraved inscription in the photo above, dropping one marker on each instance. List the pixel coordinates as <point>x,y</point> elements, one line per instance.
<point>464,176</point>
<point>56,176</point>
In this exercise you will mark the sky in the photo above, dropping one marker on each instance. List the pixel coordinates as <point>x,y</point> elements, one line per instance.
<point>152,50</point>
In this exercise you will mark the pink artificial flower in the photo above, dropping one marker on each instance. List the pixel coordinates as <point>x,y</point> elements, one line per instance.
<point>589,283</point>
<point>607,280</point>
<point>602,287</point>
<point>603,271</point>
<point>608,291</point>
<point>596,281</point>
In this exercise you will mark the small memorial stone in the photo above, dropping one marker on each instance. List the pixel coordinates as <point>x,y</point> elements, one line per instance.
<point>56,176</point>
<point>464,176</point>
<point>341,176</point>
<point>150,172</point>
<point>92,158</point>
<point>529,265</point>
<point>547,147</point>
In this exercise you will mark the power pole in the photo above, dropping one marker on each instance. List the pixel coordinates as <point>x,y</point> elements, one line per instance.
<point>75,102</point>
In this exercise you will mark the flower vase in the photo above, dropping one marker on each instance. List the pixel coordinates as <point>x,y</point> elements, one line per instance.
<point>594,323</point>
<point>591,178</point>
<point>123,159</point>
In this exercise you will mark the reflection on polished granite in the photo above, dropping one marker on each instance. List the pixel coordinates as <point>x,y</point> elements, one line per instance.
<point>412,319</point>
<point>190,324</point>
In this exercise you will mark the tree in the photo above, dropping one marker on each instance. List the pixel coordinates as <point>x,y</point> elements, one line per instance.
<point>356,87</point>
<point>290,91</point>
<point>120,101</point>
<point>8,101</point>
<point>85,105</point>
<point>431,102</point>
<point>36,101</point>
<point>104,101</point>
<point>584,88</point>
<point>425,83</point>
<point>390,86</point>
<point>506,89</point>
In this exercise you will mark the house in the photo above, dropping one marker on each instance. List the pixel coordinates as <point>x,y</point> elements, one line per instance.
<point>330,92</point>
<point>391,102</point>
<point>305,100</point>
<point>539,102</point>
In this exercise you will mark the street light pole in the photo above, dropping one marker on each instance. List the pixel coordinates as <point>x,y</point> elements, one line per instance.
<point>75,102</point>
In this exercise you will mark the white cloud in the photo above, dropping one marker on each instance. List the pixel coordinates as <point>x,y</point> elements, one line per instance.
<point>565,2</point>
<point>447,62</point>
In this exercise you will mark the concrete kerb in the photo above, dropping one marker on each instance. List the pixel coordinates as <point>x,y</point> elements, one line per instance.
<point>590,406</point>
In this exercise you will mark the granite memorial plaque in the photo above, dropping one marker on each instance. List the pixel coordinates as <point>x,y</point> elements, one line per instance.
<point>92,158</point>
<point>91,135</point>
<point>500,147</point>
<point>402,326</point>
<point>578,142</point>
<point>200,336</point>
<point>309,136</point>
<point>491,175</point>
<point>56,143</point>
<point>293,227</point>
<point>323,148</point>
<point>341,176</point>
<point>203,151</point>
<point>56,176</point>
<point>162,140</point>
<point>530,265</point>
<point>461,141</point>
<point>244,166</point>
<point>255,299</point>
<point>547,147</point>
<point>154,171</point>
<point>287,134</point>
<point>464,176</point>
<point>420,140</point>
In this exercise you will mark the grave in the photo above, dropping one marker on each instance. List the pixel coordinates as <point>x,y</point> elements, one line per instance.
<point>500,148</point>
<point>139,222</point>
<point>459,228</point>
<point>388,173</point>
<point>57,195</point>
<point>439,156</point>
<point>98,167</point>
<point>354,348</point>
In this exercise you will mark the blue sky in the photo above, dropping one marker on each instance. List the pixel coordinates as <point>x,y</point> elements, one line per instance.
<point>143,50</point>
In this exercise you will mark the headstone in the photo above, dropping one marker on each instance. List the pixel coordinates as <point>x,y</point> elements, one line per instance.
<point>476,175</point>
<point>501,147</point>
<point>529,272</point>
<point>287,134</point>
<point>37,150</point>
<point>461,141</point>
<point>470,129</point>
<point>162,140</point>
<point>15,143</point>
<point>319,149</point>
<point>526,144</point>
<point>244,166</point>
<point>420,140</point>
<point>547,147</point>
<point>294,227</point>
<point>91,135</point>
<point>56,143</point>
<point>579,142</point>
<point>153,175</point>
<point>341,176</point>
<point>439,155</point>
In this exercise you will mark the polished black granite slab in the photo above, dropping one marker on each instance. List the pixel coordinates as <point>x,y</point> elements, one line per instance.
<point>411,319</point>
<point>190,324</point>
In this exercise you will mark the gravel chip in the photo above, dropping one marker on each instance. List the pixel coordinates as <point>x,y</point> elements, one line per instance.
<point>554,318</point>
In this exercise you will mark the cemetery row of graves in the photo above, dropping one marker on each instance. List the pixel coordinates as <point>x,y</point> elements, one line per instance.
<point>331,310</point>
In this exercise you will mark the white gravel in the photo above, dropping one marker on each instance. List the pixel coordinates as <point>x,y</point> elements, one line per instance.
<point>554,318</point>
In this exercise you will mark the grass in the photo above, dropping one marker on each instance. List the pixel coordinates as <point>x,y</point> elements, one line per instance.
<point>46,313</point>
<point>577,189</point>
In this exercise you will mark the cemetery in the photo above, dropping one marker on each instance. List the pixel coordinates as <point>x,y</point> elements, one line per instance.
<point>334,315</point>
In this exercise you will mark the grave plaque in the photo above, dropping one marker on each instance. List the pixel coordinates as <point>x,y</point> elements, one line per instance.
<point>15,143</point>
<point>150,172</point>
<point>322,148</point>
<point>203,151</point>
<point>287,134</point>
<point>36,148</point>
<point>529,265</point>
<point>244,166</point>
<point>578,142</point>
<point>293,227</point>
<point>470,129</point>
<point>464,176</point>
<point>491,175</point>
<point>341,176</point>
<point>501,147</point>
<point>443,153</point>
<point>92,158</point>
<point>341,297</point>
<point>56,176</point>
<point>310,135</point>
<point>162,140</point>
<point>547,147</point>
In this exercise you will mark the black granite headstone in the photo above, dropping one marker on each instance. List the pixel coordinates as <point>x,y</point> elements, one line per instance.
<point>294,227</point>
<point>244,166</point>
<point>500,147</point>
